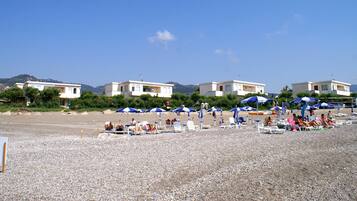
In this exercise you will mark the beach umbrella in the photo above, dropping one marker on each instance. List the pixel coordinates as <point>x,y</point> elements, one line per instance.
<point>324,105</point>
<point>304,100</point>
<point>311,107</point>
<point>256,99</point>
<point>127,110</point>
<point>283,108</point>
<point>276,108</point>
<point>200,116</point>
<point>236,111</point>
<point>214,109</point>
<point>184,109</point>
<point>159,111</point>
<point>247,108</point>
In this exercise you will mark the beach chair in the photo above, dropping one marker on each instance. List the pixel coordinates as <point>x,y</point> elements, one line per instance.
<point>270,129</point>
<point>190,126</point>
<point>177,127</point>
<point>232,123</point>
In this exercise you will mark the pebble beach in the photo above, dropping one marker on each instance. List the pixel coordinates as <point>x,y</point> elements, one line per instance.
<point>58,156</point>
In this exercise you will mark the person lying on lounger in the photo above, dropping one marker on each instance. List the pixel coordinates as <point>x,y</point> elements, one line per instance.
<point>323,121</point>
<point>119,127</point>
<point>268,121</point>
<point>108,126</point>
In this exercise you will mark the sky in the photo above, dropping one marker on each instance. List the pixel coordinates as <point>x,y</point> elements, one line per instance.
<point>187,41</point>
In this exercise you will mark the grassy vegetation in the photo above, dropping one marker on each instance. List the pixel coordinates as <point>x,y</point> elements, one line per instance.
<point>11,108</point>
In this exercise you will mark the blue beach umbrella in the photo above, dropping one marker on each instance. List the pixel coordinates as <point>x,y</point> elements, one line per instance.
<point>311,107</point>
<point>157,109</point>
<point>127,110</point>
<point>214,109</point>
<point>236,111</point>
<point>324,105</point>
<point>184,109</point>
<point>276,108</point>
<point>304,100</point>
<point>247,108</point>
<point>256,99</point>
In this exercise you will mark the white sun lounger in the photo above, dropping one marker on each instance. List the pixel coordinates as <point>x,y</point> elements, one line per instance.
<point>177,127</point>
<point>190,126</point>
<point>270,129</point>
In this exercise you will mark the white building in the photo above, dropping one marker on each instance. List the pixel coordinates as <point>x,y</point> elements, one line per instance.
<point>138,88</point>
<point>234,87</point>
<point>322,87</point>
<point>67,91</point>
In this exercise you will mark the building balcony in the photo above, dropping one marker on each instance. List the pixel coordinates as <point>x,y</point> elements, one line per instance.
<point>214,93</point>
<point>337,92</point>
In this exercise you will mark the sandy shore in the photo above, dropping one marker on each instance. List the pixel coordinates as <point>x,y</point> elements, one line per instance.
<point>49,158</point>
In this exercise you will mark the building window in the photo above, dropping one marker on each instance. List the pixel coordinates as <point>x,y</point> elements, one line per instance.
<point>74,90</point>
<point>221,88</point>
<point>132,88</point>
<point>228,87</point>
<point>121,88</point>
<point>340,88</point>
<point>324,87</point>
<point>316,87</point>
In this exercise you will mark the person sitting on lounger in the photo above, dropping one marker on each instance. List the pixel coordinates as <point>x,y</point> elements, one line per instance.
<point>302,122</point>
<point>173,121</point>
<point>168,122</point>
<point>292,123</point>
<point>323,121</point>
<point>108,126</point>
<point>119,127</point>
<point>268,121</point>
<point>133,122</point>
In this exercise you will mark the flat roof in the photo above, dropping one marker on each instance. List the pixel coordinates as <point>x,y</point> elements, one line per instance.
<point>235,81</point>
<point>52,83</point>
<point>335,81</point>
<point>144,82</point>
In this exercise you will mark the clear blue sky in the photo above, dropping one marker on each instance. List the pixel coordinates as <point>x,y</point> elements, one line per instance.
<point>188,41</point>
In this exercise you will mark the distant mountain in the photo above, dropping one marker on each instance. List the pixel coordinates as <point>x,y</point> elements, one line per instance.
<point>354,88</point>
<point>178,88</point>
<point>97,90</point>
<point>185,89</point>
<point>25,77</point>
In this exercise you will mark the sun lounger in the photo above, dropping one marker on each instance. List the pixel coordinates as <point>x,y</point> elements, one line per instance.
<point>270,129</point>
<point>177,127</point>
<point>340,115</point>
<point>190,126</point>
<point>232,123</point>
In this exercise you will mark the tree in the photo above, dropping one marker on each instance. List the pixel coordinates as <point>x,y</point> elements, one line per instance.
<point>286,92</point>
<point>50,97</point>
<point>302,94</point>
<point>31,93</point>
<point>14,95</point>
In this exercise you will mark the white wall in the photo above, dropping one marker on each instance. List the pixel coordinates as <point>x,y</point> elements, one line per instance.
<point>113,89</point>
